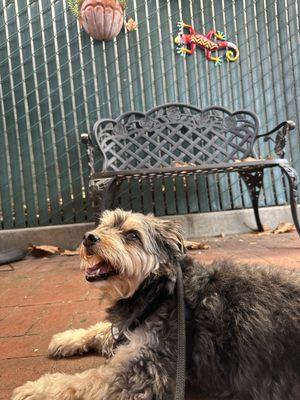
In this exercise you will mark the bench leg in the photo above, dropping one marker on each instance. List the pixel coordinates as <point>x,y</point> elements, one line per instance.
<point>102,193</point>
<point>293,179</point>
<point>254,182</point>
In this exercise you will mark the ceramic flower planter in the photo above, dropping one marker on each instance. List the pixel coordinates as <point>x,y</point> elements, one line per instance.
<point>102,19</point>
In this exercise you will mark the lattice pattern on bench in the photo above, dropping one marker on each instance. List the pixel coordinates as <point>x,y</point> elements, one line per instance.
<point>175,133</point>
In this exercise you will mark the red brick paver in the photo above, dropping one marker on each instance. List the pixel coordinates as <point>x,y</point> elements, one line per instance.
<point>44,296</point>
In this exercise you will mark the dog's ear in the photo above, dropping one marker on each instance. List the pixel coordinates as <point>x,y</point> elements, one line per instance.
<point>169,235</point>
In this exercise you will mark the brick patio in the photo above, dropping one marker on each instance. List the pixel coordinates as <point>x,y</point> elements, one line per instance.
<point>44,296</point>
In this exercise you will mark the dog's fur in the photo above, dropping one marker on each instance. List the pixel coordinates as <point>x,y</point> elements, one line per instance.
<point>245,340</point>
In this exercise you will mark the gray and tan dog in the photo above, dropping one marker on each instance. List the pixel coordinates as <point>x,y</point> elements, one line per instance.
<point>245,333</point>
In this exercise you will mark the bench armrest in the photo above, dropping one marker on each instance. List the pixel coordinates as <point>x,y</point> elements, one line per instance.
<point>85,139</point>
<point>280,140</point>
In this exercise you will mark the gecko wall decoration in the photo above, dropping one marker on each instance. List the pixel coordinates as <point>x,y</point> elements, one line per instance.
<point>187,43</point>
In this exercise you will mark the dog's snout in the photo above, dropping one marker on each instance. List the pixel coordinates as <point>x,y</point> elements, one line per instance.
<point>89,239</point>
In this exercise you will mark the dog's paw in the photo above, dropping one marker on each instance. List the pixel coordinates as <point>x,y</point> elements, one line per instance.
<point>48,387</point>
<point>67,344</point>
<point>29,391</point>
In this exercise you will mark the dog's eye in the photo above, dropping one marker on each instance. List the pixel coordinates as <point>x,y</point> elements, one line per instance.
<point>131,236</point>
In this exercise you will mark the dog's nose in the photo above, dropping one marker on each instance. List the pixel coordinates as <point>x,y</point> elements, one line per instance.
<point>89,239</point>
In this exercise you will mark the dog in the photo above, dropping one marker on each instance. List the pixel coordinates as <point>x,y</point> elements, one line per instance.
<point>245,322</point>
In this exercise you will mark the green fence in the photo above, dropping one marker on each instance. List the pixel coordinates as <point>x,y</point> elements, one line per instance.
<point>56,82</point>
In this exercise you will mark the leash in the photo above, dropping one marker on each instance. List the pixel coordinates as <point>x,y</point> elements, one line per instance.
<point>181,339</point>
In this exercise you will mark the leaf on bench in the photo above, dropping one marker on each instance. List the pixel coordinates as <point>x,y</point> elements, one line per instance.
<point>247,159</point>
<point>183,164</point>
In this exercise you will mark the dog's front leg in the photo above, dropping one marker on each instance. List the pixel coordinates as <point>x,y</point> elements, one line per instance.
<point>78,341</point>
<point>136,372</point>
<point>140,370</point>
<point>83,386</point>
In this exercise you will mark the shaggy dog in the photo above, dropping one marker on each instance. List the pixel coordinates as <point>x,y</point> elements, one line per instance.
<point>245,322</point>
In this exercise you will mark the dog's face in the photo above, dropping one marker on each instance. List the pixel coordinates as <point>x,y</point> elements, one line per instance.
<point>126,247</point>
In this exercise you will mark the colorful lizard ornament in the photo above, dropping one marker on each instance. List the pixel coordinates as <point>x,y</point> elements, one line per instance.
<point>186,44</point>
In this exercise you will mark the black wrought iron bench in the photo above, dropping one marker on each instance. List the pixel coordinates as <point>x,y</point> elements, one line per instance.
<point>182,140</point>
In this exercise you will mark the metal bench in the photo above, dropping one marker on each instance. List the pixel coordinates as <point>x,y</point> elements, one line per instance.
<point>182,140</point>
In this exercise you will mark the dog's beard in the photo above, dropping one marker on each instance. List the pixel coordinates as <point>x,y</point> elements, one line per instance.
<point>118,278</point>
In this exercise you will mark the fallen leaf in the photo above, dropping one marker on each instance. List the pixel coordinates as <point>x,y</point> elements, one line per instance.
<point>284,227</point>
<point>183,164</point>
<point>70,252</point>
<point>43,250</point>
<point>190,245</point>
<point>248,159</point>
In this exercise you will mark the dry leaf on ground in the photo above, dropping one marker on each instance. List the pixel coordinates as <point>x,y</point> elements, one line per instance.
<point>284,227</point>
<point>70,252</point>
<point>281,228</point>
<point>43,250</point>
<point>47,251</point>
<point>190,245</point>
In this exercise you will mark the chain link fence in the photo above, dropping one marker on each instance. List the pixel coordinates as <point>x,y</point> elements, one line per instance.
<point>56,82</point>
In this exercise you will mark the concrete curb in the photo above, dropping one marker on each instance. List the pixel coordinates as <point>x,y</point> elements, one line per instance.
<point>194,225</point>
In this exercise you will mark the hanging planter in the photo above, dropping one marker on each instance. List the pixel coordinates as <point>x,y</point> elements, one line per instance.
<point>101,19</point>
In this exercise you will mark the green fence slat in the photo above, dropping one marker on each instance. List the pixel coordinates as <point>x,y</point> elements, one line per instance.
<point>112,79</point>
<point>124,66</point>
<point>180,62</point>
<point>191,65</point>
<point>158,196</point>
<point>35,168</point>
<point>170,196</point>
<point>180,192</point>
<point>288,84</point>
<point>136,195</point>
<point>62,169</point>
<point>145,60</point>
<point>5,192</point>
<point>202,193</point>
<point>214,82</point>
<point>270,105</point>
<point>70,138</point>
<point>259,100</point>
<point>124,195</point>
<point>167,50</point>
<point>230,83</point>
<point>56,82</point>
<point>9,97</point>
<point>88,78</point>
<point>192,198</point>
<point>135,66</point>
<point>202,82</point>
<point>156,53</point>
<point>147,199</point>
<point>53,214</point>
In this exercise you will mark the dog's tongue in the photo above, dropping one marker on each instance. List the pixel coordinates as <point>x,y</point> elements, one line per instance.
<point>98,269</point>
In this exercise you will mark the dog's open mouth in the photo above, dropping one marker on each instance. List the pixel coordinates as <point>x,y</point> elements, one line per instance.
<point>99,272</point>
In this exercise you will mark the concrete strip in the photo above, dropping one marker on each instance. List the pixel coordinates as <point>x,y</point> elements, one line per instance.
<point>64,236</point>
<point>194,225</point>
<point>232,222</point>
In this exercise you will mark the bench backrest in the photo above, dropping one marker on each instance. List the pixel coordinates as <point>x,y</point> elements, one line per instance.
<point>175,133</point>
